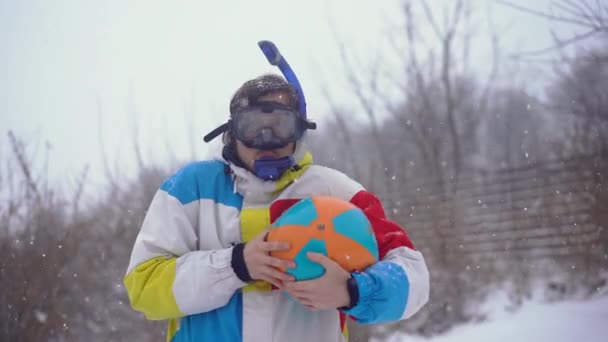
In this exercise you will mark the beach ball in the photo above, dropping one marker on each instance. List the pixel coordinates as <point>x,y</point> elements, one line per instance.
<point>331,226</point>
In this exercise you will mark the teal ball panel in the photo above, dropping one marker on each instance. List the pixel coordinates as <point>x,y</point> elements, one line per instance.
<point>355,225</point>
<point>305,268</point>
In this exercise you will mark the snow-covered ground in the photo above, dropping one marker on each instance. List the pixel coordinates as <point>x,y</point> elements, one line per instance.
<point>568,321</point>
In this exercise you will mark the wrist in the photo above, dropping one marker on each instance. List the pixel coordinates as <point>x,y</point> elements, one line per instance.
<point>238,263</point>
<point>352,291</point>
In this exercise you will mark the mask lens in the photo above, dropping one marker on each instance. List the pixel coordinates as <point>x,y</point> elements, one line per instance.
<point>278,126</point>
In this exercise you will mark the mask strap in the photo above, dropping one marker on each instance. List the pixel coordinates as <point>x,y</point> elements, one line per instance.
<point>213,134</point>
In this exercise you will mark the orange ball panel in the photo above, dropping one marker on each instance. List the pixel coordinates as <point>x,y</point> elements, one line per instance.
<point>296,236</point>
<point>348,253</point>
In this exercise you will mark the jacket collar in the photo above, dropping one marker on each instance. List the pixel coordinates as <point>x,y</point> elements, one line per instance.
<point>250,186</point>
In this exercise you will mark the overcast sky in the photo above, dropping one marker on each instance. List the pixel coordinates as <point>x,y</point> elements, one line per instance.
<point>62,61</point>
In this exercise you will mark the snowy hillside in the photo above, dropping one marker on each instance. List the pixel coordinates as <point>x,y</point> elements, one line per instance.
<point>580,321</point>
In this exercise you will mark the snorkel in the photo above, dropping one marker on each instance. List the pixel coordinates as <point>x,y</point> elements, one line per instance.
<point>275,58</point>
<point>269,168</point>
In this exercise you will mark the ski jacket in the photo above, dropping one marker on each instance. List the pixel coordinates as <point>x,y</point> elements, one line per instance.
<point>180,268</point>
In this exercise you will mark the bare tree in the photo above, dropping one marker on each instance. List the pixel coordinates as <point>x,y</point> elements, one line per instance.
<point>430,136</point>
<point>589,16</point>
<point>369,103</point>
<point>579,101</point>
<point>345,155</point>
<point>442,104</point>
<point>62,263</point>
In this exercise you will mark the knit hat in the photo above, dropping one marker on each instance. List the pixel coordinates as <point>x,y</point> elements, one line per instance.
<point>249,93</point>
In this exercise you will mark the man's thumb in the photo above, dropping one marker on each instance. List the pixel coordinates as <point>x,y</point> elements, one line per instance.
<point>319,258</point>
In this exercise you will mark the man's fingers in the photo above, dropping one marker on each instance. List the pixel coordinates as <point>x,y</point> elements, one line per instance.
<point>303,298</point>
<point>299,297</point>
<point>274,246</point>
<point>308,303</point>
<point>264,234</point>
<point>271,272</point>
<point>320,259</point>
<point>303,286</point>
<point>280,263</point>
<point>296,293</point>
<point>273,281</point>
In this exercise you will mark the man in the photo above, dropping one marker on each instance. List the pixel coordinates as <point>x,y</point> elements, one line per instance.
<point>201,259</point>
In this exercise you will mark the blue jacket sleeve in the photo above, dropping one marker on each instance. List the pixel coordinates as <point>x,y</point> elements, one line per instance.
<point>397,286</point>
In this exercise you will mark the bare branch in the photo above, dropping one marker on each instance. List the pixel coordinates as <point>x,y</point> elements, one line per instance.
<point>167,142</point>
<point>421,91</point>
<point>447,86</point>
<point>412,131</point>
<point>106,165</point>
<point>189,113</point>
<point>366,102</point>
<point>132,112</point>
<point>456,16</point>
<point>345,132</point>
<point>559,45</point>
<point>19,153</point>
<point>581,13</point>
<point>79,190</point>
<point>574,9</point>
<point>484,100</point>
<point>431,19</point>
<point>543,14</point>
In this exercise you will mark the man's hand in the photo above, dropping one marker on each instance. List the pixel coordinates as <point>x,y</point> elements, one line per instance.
<point>261,265</point>
<point>326,292</point>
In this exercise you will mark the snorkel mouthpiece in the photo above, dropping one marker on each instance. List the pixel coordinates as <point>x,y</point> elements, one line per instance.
<point>271,169</point>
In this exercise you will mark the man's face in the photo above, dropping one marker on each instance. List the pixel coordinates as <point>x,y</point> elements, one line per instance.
<point>250,155</point>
